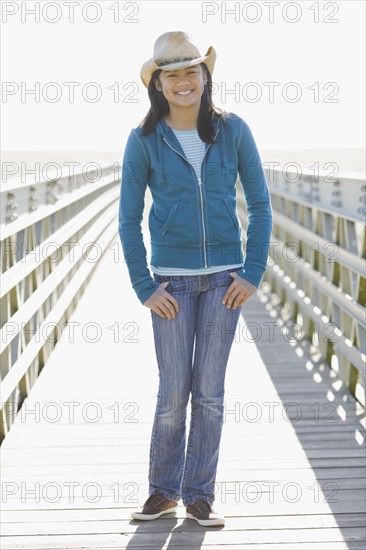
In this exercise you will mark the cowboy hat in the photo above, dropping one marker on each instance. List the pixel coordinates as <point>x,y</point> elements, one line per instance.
<point>174,50</point>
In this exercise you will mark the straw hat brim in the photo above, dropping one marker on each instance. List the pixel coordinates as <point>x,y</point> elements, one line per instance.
<point>150,66</point>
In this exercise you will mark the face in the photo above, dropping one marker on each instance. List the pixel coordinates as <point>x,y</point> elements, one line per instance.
<point>184,87</point>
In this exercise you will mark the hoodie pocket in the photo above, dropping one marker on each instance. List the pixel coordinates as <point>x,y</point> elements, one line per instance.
<point>223,224</point>
<point>232,213</point>
<point>181,227</point>
<point>170,218</point>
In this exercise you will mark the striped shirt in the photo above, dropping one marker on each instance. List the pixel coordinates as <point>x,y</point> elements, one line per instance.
<point>194,149</point>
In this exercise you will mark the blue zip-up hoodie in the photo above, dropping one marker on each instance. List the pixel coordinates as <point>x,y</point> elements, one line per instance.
<point>193,222</point>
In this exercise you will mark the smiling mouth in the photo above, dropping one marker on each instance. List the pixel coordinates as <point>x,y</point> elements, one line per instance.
<point>185,93</point>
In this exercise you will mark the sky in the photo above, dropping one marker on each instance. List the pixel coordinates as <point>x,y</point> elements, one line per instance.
<point>310,55</point>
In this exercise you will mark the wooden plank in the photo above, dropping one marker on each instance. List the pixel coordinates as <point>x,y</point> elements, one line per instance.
<point>293,457</point>
<point>56,438</point>
<point>292,492</point>
<point>356,475</point>
<point>204,538</point>
<point>280,546</point>
<point>236,504</point>
<point>121,517</point>
<point>310,443</point>
<point>232,526</point>
<point>243,546</point>
<point>14,489</point>
<point>119,465</point>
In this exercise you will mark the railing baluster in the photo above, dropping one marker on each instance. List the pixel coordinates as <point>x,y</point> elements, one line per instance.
<point>58,215</point>
<point>326,220</point>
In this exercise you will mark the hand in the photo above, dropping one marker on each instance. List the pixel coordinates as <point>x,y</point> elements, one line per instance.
<point>163,303</point>
<point>238,292</point>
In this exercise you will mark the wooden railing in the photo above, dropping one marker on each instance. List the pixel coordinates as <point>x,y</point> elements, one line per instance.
<point>54,232</point>
<point>317,264</point>
<point>52,235</point>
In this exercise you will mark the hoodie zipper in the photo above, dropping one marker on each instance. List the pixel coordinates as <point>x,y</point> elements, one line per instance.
<point>199,181</point>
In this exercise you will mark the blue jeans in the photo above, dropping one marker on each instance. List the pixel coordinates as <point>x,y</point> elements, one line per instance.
<point>204,324</point>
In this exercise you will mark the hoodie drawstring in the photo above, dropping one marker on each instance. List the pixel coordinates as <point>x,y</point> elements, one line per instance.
<point>223,162</point>
<point>160,159</point>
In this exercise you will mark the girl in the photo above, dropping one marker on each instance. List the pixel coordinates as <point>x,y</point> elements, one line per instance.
<point>190,153</point>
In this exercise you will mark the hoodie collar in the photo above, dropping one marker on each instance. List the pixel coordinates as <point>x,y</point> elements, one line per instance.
<point>165,132</point>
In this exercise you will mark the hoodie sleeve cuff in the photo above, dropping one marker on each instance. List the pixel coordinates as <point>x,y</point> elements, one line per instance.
<point>144,291</point>
<point>252,274</point>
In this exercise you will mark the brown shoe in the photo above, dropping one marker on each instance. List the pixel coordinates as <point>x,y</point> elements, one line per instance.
<point>155,506</point>
<point>204,514</point>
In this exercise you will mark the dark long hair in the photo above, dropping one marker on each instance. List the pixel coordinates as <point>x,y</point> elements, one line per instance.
<point>160,107</point>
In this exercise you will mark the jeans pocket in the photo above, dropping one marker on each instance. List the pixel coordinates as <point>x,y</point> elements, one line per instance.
<point>162,278</point>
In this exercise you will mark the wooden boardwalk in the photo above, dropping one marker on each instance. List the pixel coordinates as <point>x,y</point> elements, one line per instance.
<point>291,471</point>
